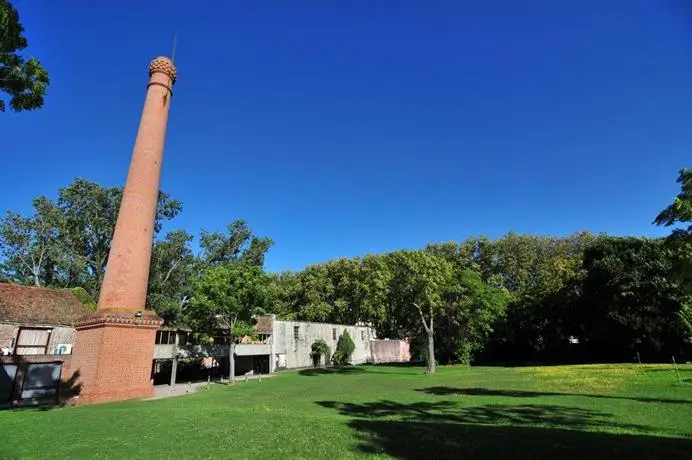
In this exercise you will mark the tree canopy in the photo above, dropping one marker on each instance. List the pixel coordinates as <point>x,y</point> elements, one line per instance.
<point>578,298</point>
<point>224,297</point>
<point>66,241</point>
<point>23,79</point>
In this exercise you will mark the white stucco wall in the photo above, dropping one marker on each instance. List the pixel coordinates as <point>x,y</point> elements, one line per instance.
<point>291,354</point>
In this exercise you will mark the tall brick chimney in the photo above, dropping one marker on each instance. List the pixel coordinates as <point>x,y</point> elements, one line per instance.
<point>114,346</point>
<point>127,274</point>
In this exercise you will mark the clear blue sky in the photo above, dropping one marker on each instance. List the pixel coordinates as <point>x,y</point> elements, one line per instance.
<point>348,127</point>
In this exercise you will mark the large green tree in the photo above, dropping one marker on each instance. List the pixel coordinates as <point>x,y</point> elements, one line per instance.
<point>679,242</point>
<point>239,244</point>
<point>65,243</point>
<point>420,281</point>
<point>283,293</point>
<point>541,276</point>
<point>471,310</point>
<point>173,264</point>
<point>23,79</point>
<point>29,245</point>
<point>226,296</point>
<point>680,210</point>
<point>678,214</point>
<point>631,303</point>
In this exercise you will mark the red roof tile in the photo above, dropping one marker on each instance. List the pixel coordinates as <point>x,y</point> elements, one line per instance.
<point>33,305</point>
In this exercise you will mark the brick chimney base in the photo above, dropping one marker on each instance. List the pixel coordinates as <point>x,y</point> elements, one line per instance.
<point>113,354</point>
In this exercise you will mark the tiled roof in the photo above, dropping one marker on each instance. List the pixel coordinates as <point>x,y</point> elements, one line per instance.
<point>263,325</point>
<point>33,305</point>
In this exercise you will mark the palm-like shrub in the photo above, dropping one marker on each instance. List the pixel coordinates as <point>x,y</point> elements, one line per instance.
<point>320,349</point>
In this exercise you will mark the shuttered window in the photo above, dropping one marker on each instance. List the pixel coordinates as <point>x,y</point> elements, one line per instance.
<point>32,341</point>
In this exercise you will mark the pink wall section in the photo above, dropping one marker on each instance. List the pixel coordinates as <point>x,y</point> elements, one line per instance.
<point>390,351</point>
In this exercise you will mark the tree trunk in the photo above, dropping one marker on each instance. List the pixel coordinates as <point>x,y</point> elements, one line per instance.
<point>231,363</point>
<point>431,352</point>
<point>429,329</point>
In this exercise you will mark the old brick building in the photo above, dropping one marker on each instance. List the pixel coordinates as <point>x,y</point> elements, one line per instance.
<point>36,338</point>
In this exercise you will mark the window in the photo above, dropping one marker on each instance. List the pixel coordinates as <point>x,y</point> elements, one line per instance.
<point>296,332</point>
<point>362,335</point>
<point>32,341</point>
<point>333,333</point>
<point>165,337</point>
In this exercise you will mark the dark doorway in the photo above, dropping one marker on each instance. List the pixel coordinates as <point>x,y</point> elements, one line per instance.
<point>261,364</point>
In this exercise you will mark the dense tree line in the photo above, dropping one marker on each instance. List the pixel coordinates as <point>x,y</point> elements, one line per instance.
<point>580,298</point>
<point>66,241</point>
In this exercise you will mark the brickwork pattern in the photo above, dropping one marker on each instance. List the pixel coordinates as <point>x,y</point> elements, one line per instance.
<point>7,333</point>
<point>127,273</point>
<point>113,355</point>
<point>114,362</point>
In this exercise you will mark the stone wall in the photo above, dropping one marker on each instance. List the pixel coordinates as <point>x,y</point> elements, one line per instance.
<point>289,353</point>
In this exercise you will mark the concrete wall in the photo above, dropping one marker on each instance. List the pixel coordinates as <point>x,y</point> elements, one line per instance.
<point>162,351</point>
<point>289,353</point>
<point>390,351</point>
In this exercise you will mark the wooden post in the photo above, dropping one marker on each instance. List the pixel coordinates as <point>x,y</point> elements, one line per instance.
<point>174,366</point>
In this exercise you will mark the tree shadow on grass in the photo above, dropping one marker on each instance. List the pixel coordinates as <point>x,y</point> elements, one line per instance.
<point>446,391</point>
<point>447,430</point>
<point>331,371</point>
<point>415,440</point>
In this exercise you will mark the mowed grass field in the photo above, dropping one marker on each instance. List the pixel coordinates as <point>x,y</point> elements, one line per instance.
<point>562,412</point>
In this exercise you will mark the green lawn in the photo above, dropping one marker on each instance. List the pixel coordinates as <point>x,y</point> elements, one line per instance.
<point>565,412</point>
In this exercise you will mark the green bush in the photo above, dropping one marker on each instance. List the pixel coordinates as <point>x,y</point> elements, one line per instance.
<point>84,297</point>
<point>320,349</point>
<point>344,349</point>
